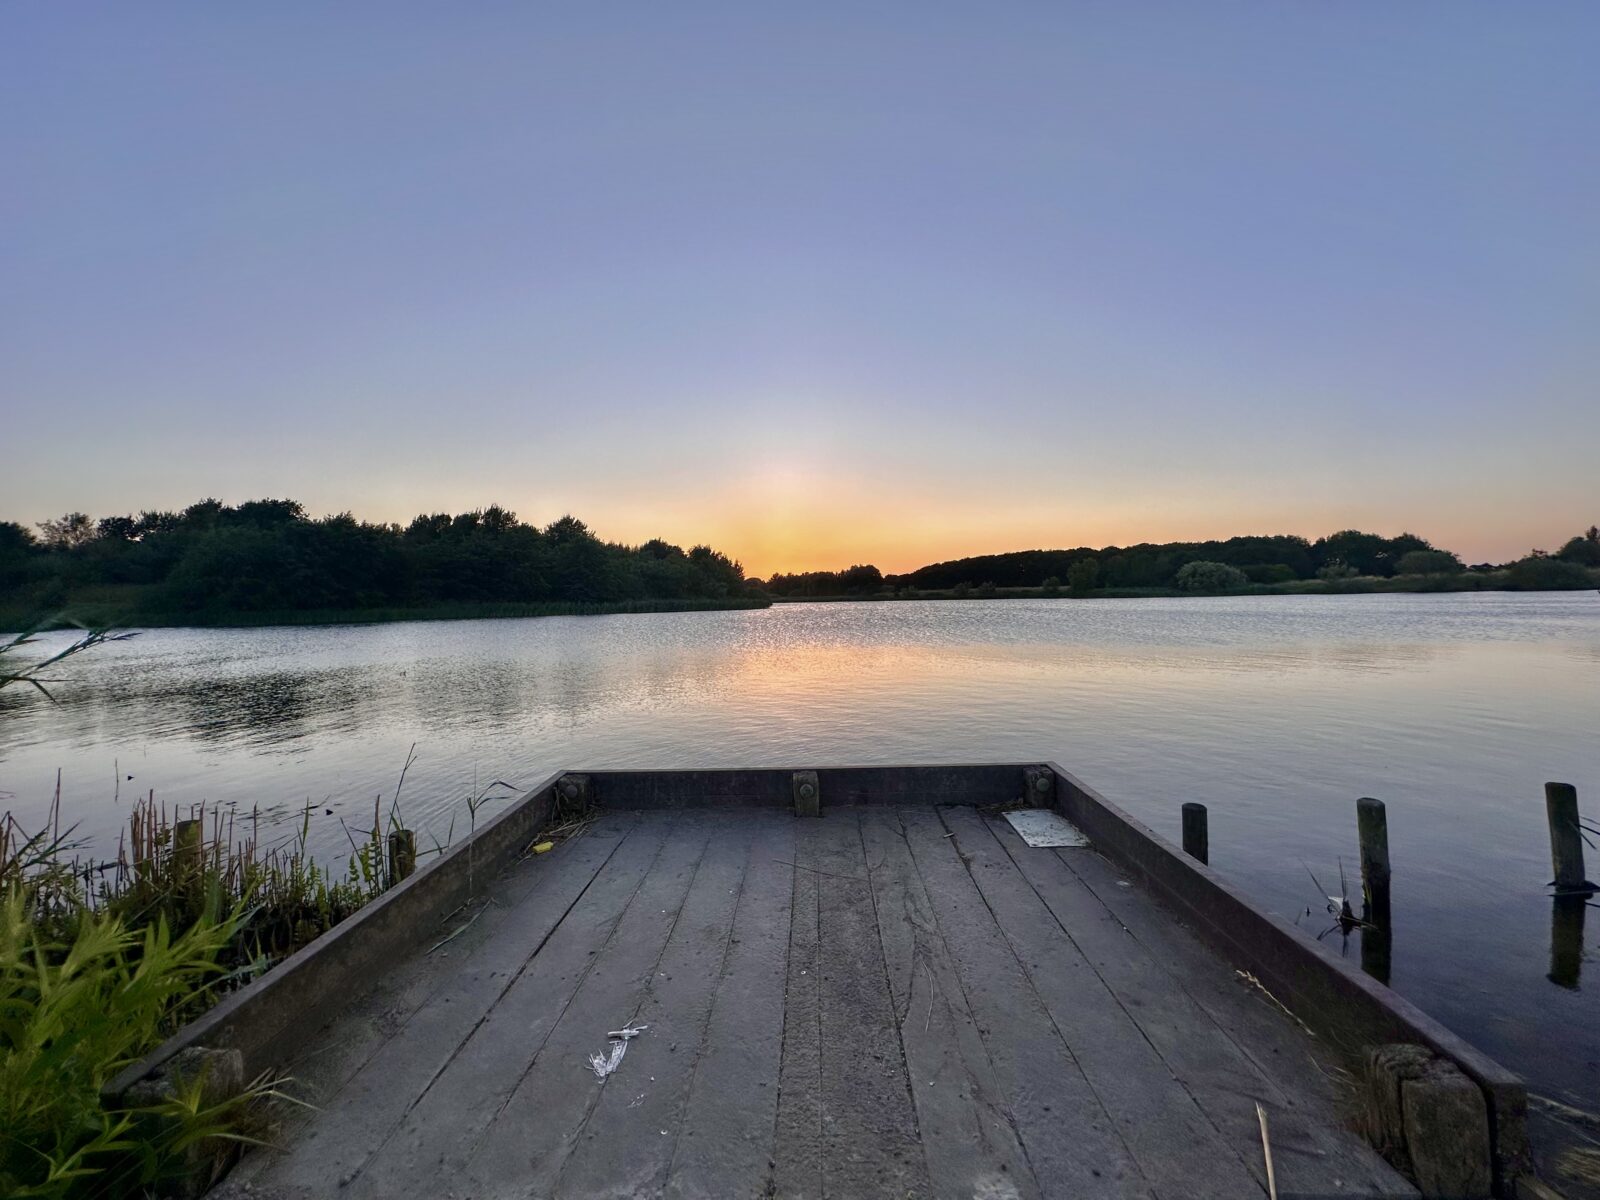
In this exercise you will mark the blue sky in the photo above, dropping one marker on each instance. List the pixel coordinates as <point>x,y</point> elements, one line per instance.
<point>818,284</point>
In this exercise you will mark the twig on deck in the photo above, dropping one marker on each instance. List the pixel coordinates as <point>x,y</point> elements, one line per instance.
<point>783,862</point>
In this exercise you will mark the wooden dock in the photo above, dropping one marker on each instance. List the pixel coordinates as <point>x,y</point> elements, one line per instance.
<point>898,997</point>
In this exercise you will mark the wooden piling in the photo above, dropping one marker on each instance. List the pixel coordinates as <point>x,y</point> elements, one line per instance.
<point>186,847</point>
<point>402,855</point>
<point>1196,838</point>
<point>1372,827</point>
<point>1566,841</point>
<point>807,794</point>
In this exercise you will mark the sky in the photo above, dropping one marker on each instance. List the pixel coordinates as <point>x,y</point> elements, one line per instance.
<point>817,284</point>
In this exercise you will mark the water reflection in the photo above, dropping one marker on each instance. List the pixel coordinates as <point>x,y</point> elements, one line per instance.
<point>1377,948</point>
<point>1566,940</point>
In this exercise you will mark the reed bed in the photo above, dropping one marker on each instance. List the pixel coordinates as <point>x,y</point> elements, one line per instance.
<point>100,961</point>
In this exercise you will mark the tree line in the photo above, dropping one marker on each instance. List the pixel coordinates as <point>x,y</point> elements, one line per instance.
<point>1203,566</point>
<point>271,556</point>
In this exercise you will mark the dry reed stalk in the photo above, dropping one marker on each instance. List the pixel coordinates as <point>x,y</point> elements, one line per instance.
<point>1266,1150</point>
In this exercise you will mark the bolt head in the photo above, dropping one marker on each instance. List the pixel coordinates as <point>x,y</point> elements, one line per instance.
<point>807,791</point>
<point>1041,783</point>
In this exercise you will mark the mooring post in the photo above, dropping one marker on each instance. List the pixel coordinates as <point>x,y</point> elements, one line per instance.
<point>1039,786</point>
<point>807,794</point>
<point>1566,840</point>
<point>186,847</point>
<point>1196,839</point>
<point>402,854</point>
<point>573,795</point>
<point>1372,826</point>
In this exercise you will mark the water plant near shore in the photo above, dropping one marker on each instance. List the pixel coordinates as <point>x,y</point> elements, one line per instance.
<point>101,961</point>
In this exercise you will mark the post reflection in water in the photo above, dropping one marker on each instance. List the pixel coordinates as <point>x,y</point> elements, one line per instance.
<point>1566,940</point>
<point>1377,948</point>
<point>1276,713</point>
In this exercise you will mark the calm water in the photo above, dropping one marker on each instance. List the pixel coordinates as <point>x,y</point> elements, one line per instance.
<point>1277,712</point>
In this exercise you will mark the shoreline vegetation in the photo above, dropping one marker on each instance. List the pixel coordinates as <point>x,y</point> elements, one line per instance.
<point>103,612</point>
<point>267,562</point>
<point>1344,563</point>
<point>1359,585</point>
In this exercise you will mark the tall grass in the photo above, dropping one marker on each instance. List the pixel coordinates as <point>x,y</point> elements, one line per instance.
<point>75,1008</point>
<point>99,962</point>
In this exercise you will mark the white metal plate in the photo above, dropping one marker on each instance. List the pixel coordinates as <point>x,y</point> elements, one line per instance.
<point>1045,827</point>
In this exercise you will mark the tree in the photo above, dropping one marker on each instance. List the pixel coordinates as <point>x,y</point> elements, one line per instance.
<point>498,520</point>
<point>1541,573</point>
<point>1082,576</point>
<point>1366,553</point>
<point>1584,549</point>
<point>68,532</point>
<point>117,529</point>
<point>1051,587</point>
<point>1202,576</point>
<point>1428,562</point>
<point>1269,573</point>
<point>266,513</point>
<point>16,539</point>
<point>861,578</point>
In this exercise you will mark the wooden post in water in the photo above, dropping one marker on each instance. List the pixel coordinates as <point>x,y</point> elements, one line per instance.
<point>1372,826</point>
<point>1372,829</point>
<point>1566,842</point>
<point>402,855</point>
<point>1196,838</point>
<point>186,848</point>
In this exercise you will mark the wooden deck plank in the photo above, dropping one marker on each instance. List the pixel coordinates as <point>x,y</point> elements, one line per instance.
<point>337,1052</point>
<point>797,1125</point>
<point>344,1045</point>
<point>968,1142</point>
<point>443,1119</point>
<point>528,1141</point>
<point>724,1142</point>
<point>1316,1152</point>
<point>870,1140</point>
<point>625,1146</point>
<point>1178,1149</point>
<point>1073,1146</point>
<point>361,1113</point>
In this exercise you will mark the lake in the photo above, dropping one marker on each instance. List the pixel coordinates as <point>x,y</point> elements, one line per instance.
<point>1276,712</point>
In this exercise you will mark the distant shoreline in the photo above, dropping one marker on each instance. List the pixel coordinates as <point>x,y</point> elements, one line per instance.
<point>1494,581</point>
<point>105,614</point>
<point>102,616</point>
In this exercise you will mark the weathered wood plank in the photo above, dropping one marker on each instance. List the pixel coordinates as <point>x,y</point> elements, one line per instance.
<point>724,1142</point>
<point>968,1142</point>
<point>1310,1158</point>
<point>405,1057</point>
<point>1071,1142</point>
<point>472,1078</point>
<point>528,1141</point>
<point>343,1045</point>
<point>1178,1150</point>
<point>870,1138</point>
<point>625,1145</point>
<point>1301,1074</point>
<point>797,1128</point>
